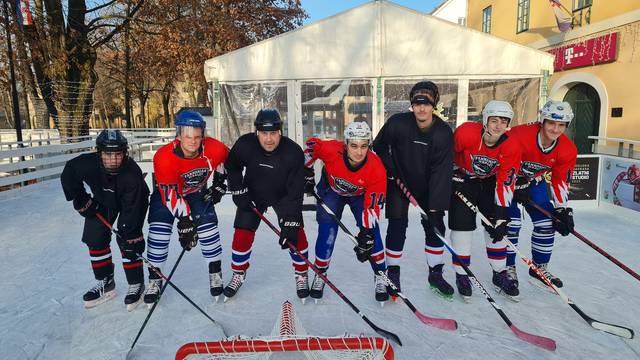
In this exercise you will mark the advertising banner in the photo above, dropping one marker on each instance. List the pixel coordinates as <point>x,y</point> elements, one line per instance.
<point>602,49</point>
<point>584,181</point>
<point>621,182</point>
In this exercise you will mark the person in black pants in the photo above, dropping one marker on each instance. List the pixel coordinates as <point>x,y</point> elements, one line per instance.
<point>118,192</point>
<point>417,147</point>
<point>273,176</point>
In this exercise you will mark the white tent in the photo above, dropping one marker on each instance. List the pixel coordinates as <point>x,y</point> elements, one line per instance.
<point>378,41</point>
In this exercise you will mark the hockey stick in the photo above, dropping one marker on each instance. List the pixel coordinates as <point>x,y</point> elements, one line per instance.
<point>599,325</point>
<point>159,273</point>
<point>441,323</point>
<point>389,335</point>
<point>164,287</point>
<point>586,241</point>
<point>541,341</point>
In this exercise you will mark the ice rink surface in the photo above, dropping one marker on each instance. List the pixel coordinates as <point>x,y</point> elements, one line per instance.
<point>45,269</point>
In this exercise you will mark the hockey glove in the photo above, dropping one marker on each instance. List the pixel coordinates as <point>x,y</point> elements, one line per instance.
<point>365,244</point>
<point>86,205</point>
<point>565,225</point>
<point>242,199</point>
<point>309,181</point>
<point>215,192</point>
<point>132,248</point>
<point>187,233</point>
<point>289,229</point>
<point>521,192</point>
<point>501,222</point>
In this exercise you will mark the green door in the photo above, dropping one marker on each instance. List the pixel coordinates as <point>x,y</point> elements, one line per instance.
<point>586,107</point>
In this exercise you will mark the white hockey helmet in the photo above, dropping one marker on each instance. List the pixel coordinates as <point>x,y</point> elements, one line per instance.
<point>557,111</point>
<point>357,130</point>
<point>497,108</point>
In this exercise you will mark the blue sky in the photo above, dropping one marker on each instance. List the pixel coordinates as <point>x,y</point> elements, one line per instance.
<point>320,9</point>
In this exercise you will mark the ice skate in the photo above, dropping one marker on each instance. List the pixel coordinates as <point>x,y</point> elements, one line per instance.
<point>101,292</point>
<point>438,284</point>
<point>134,296</point>
<point>237,279</point>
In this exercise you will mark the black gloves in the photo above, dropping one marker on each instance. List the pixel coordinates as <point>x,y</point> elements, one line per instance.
<point>365,244</point>
<point>565,225</point>
<point>501,221</point>
<point>86,205</point>
<point>187,233</point>
<point>309,181</point>
<point>216,191</point>
<point>521,192</point>
<point>132,248</point>
<point>242,199</point>
<point>289,229</point>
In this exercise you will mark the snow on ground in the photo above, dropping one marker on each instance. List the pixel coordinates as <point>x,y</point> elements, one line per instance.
<point>45,269</point>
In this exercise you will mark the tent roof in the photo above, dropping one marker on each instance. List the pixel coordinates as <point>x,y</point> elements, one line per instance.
<point>378,38</point>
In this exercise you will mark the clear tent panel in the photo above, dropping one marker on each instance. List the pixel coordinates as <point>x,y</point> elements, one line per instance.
<point>522,94</point>
<point>396,98</point>
<point>240,103</point>
<point>328,105</point>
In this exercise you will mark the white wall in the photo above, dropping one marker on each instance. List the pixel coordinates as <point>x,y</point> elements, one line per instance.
<point>451,10</point>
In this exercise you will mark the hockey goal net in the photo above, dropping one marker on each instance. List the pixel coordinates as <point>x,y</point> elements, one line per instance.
<point>289,340</point>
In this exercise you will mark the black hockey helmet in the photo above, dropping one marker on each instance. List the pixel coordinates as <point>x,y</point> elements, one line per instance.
<point>110,141</point>
<point>268,120</point>
<point>428,87</point>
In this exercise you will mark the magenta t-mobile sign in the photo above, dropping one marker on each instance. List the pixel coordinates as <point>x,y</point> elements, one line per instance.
<point>601,49</point>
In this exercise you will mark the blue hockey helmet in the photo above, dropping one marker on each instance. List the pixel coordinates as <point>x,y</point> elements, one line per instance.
<point>189,118</point>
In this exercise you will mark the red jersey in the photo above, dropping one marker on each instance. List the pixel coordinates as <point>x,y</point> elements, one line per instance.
<point>559,159</point>
<point>368,179</point>
<point>477,160</point>
<point>176,176</point>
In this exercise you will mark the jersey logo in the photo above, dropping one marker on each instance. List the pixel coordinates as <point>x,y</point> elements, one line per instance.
<point>420,142</point>
<point>483,165</point>
<point>343,186</point>
<point>531,168</point>
<point>194,177</point>
<point>266,165</point>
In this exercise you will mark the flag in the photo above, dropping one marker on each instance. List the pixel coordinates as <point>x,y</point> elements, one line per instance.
<point>563,17</point>
<point>23,13</point>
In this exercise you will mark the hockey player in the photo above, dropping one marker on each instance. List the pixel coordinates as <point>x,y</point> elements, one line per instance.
<point>273,176</point>
<point>545,148</point>
<point>486,162</point>
<point>353,176</point>
<point>420,144</point>
<point>182,169</point>
<point>118,191</point>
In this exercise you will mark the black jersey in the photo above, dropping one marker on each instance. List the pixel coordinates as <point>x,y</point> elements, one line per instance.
<point>125,193</point>
<point>424,158</point>
<point>272,179</point>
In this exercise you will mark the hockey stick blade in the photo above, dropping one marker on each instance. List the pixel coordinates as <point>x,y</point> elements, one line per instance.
<point>440,323</point>
<point>602,326</point>
<point>387,334</point>
<point>541,341</point>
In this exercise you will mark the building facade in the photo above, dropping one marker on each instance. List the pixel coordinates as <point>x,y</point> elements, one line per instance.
<point>597,58</point>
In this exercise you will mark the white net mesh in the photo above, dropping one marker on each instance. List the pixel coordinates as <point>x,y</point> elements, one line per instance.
<point>288,340</point>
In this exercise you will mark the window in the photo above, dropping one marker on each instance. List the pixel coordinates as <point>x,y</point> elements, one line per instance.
<point>486,19</point>
<point>581,4</point>
<point>581,12</point>
<point>523,16</point>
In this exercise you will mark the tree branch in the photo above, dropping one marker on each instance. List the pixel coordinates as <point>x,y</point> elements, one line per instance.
<point>109,3</point>
<point>118,28</point>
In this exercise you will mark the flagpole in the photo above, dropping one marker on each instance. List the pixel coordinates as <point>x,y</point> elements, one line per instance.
<point>14,90</point>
